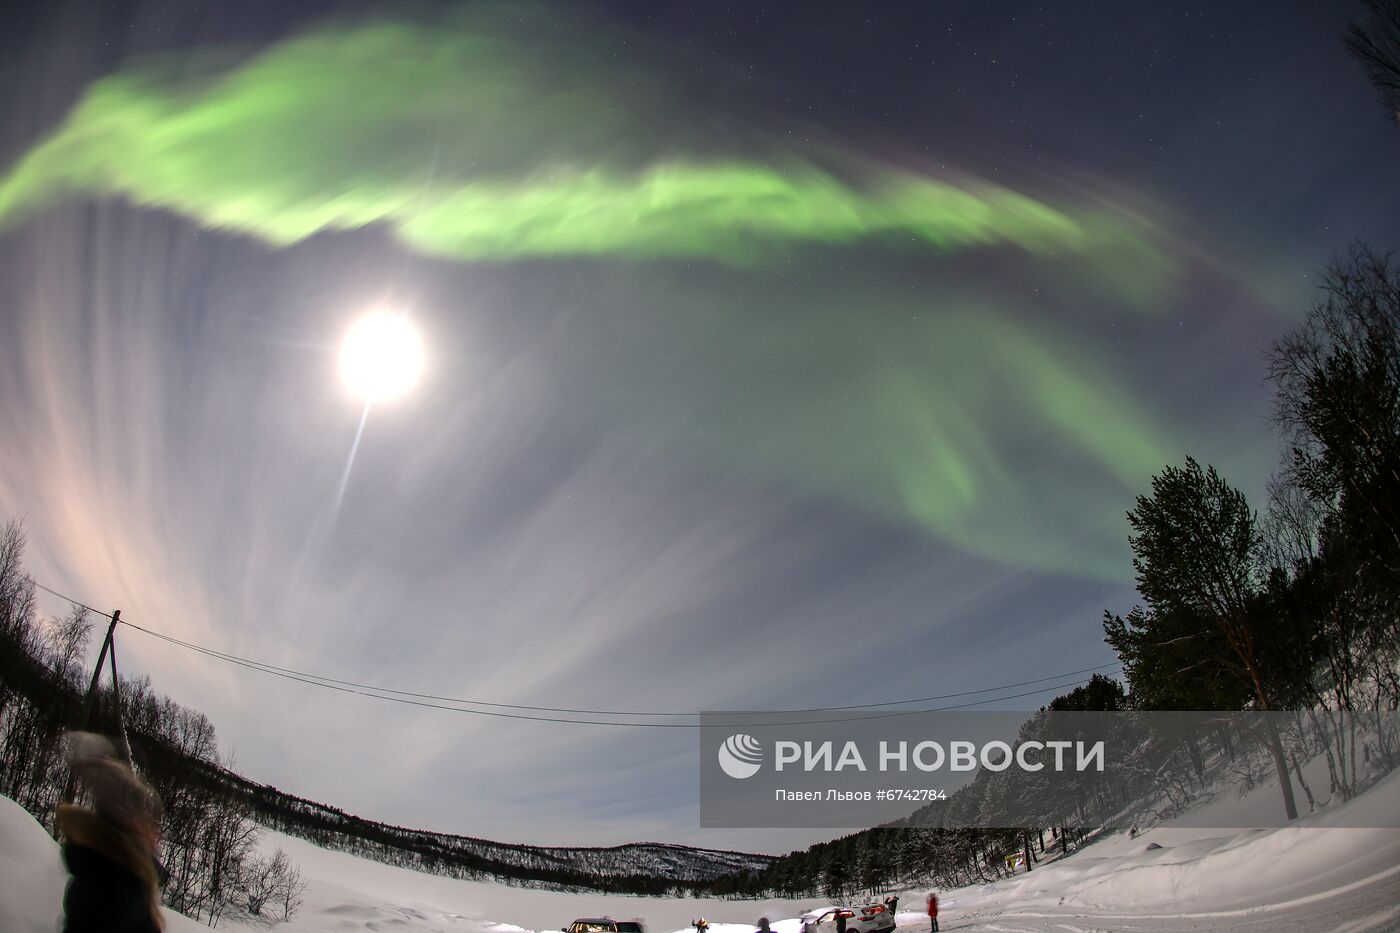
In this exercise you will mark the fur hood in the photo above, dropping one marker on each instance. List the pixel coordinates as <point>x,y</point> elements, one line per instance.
<point>117,844</point>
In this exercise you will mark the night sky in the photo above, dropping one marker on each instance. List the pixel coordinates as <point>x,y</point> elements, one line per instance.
<point>762,342</point>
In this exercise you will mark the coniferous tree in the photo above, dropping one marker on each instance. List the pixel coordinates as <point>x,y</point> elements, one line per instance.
<point>1197,547</point>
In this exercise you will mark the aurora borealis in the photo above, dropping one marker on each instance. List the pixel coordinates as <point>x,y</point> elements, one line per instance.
<point>328,131</point>
<point>753,338</point>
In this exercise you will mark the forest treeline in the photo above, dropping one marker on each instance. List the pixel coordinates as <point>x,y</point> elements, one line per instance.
<point>635,868</point>
<point>1294,609</point>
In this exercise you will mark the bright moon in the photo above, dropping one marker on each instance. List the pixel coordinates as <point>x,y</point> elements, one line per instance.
<point>381,357</point>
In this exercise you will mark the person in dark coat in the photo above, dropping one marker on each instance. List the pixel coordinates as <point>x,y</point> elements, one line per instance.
<point>763,926</point>
<point>110,849</point>
<point>840,921</point>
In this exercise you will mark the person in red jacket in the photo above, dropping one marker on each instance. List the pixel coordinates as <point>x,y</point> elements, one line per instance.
<point>933,911</point>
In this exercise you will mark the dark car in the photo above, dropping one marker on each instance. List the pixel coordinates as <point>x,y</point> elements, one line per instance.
<point>604,925</point>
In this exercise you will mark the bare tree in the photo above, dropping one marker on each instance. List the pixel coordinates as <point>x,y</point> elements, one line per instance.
<point>1376,44</point>
<point>273,883</point>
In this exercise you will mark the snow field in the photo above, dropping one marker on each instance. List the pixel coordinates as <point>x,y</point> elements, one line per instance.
<point>1311,876</point>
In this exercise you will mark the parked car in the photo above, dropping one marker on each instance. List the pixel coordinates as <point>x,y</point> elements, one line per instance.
<point>604,925</point>
<point>872,918</point>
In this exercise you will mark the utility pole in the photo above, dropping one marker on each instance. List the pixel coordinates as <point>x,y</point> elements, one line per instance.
<point>108,645</point>
<point>97,671</point>
<point>123,747</point>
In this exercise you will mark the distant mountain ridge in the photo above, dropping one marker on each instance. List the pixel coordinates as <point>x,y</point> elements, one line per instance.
<point>634,868</point>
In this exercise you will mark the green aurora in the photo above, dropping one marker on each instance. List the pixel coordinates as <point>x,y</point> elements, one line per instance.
<point>1012,441</point>
<point>467,145</point>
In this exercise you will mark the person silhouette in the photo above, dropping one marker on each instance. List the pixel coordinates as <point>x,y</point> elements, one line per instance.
<point>110,848</point>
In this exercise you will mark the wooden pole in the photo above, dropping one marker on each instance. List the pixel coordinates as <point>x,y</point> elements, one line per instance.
<point>97,671</point>
<point>71,785</point>
<point>123,747</point>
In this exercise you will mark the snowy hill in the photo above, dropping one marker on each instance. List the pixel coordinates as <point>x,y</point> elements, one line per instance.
<point>641,866</point>
<point>1311,876</point>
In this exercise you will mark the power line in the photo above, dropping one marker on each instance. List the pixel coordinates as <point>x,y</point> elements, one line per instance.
<point>404,698</point>
<point>423,699</point>
<point>105,615</point>
<point>271,668</point>
<point>274,669</point>
<point>301,677</point>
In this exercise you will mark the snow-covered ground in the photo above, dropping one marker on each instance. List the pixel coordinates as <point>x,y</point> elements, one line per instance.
<point>1311,876</point>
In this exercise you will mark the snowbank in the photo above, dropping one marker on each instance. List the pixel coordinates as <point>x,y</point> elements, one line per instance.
<point>1312,875</point>
<point>31,875</point>
<point>32,878</point>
